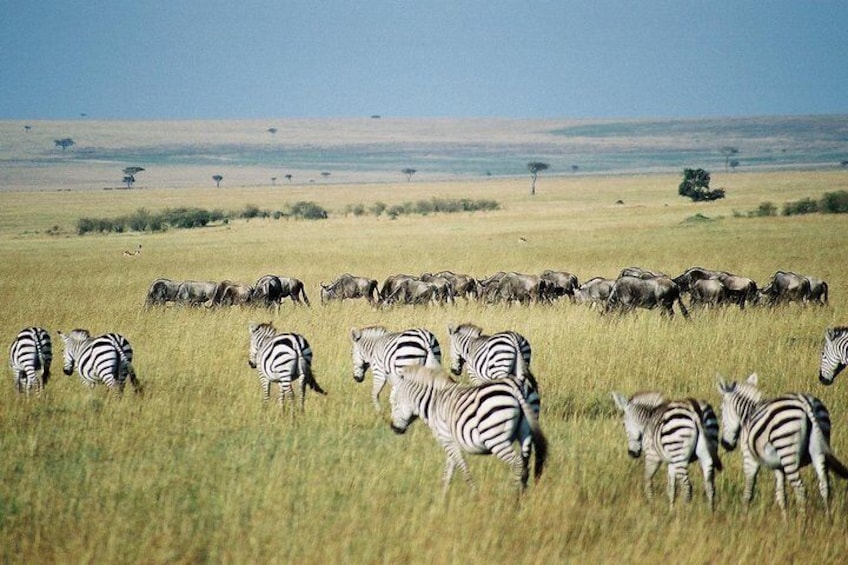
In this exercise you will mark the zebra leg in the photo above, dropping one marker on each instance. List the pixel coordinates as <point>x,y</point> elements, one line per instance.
<point>824,481</point>
<point>455,460</point>
<point>265,382</point>
<point>379,383</point>
<point>709,481</point>
<point>779,491</point>
<point>652,464</point>
<point>794,476</point>
<point>750,467</point>
<point>303,393</point>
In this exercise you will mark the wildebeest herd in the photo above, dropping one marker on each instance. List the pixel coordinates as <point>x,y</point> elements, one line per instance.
<point>502,403</point>
<point>634,287</point>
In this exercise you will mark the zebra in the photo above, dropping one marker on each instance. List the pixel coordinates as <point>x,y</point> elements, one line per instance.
<point>676,433</point>
<point>782,434</point>
<point>476,419</point>
<point>281,358</point>
<point>384,352</point>
<point>31,352</point>
<point>834,354</point>
<point>103,359</point>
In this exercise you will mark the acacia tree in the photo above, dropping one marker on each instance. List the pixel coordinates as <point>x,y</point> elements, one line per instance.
<point>728,152</point>
<point>129,175</point>
<point>64,143</point>
<point>696,185</point>
<point>409,172</point>
<point>535,168</point>
<point>217,179</point>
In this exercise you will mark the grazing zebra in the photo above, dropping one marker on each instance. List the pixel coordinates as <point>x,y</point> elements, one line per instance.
<point>281,358</point>
<point>782,434</point>
<point>477,419</point>
<point>384,352</point>
<point>677,433</point>
<point>104,359</point>
<point>834,354</point>
<point>31,352</point>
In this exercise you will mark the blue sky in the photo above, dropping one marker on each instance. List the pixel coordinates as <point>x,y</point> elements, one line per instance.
<point>193,59</point>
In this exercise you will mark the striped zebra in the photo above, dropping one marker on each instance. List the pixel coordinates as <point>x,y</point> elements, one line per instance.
<point>103,359</point>
<point>672,432</point>
<point>782,434</point>
<point>281,358</point>
<point>31,352</point>
<point>384,352</point>
<point>834,354</point>
<point>476,419</point>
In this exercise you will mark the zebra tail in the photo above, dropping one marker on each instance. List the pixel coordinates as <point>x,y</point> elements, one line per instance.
<point>835,464</point>
<point>306,372</point>
<point>540,442</point>
<point>708,428</point>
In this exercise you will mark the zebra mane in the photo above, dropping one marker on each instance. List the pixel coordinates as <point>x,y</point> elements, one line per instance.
<point>79,333</point>
<point>476,331</point>
<point>426,376</point>
<point>835,332</point>
<point>748,392</point>
<point>372,332</point>
<point>647,399</point>
<point>256,328</point>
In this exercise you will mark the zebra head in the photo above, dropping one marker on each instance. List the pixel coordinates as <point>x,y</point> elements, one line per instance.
<point>73,344</point>
<point>260,334</point>
<point>737,403</point>
<point>636,412</point>
<point>360,355</point>
<point>407,391</point>
<point>834,354</point>
<point>460,338</point>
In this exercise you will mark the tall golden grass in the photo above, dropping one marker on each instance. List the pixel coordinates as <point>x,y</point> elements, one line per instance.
<point>198,469</point>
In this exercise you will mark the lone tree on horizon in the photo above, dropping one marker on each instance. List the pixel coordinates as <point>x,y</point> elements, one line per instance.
<point>409,173</point>
<point>64,143</point>
<point>729,151</point>
<point>696,185</point>
<point>129,175</point>
<point>535,168</point>
<point>217,179</point>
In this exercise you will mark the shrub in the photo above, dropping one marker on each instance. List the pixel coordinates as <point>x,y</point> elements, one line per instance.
<point>835,202</point>
<point>765,209</point>
<point>378,208</point>
<point>803,206</point>
<point>307,211</point>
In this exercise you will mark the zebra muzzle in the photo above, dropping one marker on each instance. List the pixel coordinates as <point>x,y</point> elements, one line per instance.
<point>398,430</point>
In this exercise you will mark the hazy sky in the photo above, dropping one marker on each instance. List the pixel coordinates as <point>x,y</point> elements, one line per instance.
<point>141,59</point>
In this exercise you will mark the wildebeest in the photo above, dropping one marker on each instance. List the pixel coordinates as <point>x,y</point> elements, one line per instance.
<point>559,284</point>
<point>513,287</point>
<point>739,290</point>
<point>595,291</point>
<point>414,291</point>
<point>640,273</point>
<point>268,291</point>
<point>785,287</point>
<point>443,286</point>
<point>231,293</point>
<point>162,291</point>
<point>350,286</point>
<point>195,293</point>
<point>708,292</point>
<point>391,286</point>
<point>818,291</point>
<point>632,292</point>
<point>464,286</point>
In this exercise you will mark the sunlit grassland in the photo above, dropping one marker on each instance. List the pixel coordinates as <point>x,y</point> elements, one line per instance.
<point>198,469</point>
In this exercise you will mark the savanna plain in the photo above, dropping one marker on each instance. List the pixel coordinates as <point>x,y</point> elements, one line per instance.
<point>198,469</point>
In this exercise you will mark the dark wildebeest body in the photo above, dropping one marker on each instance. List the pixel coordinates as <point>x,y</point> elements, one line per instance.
<point>595,291</point>
<point>414,291</point>
<point>559,284</point>
<point>294,289</point>
<point>444,287</point>
<point>518,287</point>
<point>268,291</point>
<point>640,273</point>
<point>739,290</point>
<point>463,285</point>
<point>633,292</point>
<point>708,292</point>
<point>348,286</point>
<point>195,293</point>
<point>162,291</point>
<point>818,291</point>
<point>785,287</point>
<point>391,285</point>
<point>231,293</point>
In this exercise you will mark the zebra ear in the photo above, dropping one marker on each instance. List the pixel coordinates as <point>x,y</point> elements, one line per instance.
<point>451,329</point>
<point>355,335</point>
<point>830,334</point>
<point>752,379</point>
<point>723,386</point>
<point>252,327</point>
<point>620,401</point>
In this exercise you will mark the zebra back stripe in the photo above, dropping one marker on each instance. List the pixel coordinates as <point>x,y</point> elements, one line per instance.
<point>31,352</point>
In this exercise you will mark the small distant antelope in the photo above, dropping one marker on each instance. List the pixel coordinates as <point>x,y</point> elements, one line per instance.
<point>128,253</point>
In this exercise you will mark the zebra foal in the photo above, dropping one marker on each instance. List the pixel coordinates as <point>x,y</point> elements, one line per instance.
<point>834,354</point>
<point>281,358</point>
<point>783,434</point>
<point>672,432</point>
<point>384,352</point>
<point>482,419</point>
<point>30,356</point>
